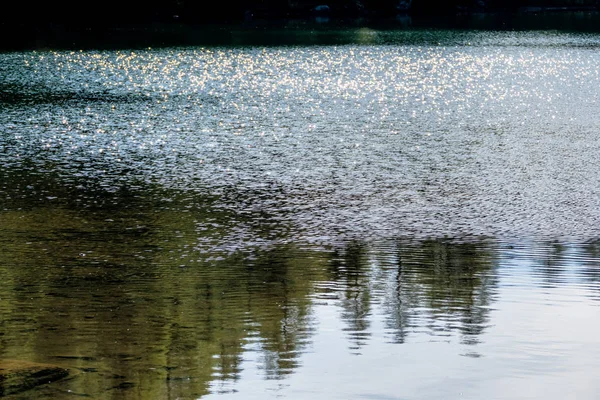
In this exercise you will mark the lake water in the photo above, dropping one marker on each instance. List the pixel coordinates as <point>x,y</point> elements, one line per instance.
<point>406,214</point>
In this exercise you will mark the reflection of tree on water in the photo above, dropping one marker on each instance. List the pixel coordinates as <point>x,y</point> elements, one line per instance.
<point>591,267</point>
<point>350,271</point>
<point>281,309</point>
<point>551,263</point>
<point>399,302</point>
<point>439,286</point>
<point>457,286</point>
<point>118,294</point>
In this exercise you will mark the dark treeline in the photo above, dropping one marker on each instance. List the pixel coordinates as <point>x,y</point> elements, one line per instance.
<point>76,13</point>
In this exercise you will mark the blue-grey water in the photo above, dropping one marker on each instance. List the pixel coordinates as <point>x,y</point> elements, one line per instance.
<point>404,215</point>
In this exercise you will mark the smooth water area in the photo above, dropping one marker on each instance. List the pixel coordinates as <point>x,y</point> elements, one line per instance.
<point>406,215</point>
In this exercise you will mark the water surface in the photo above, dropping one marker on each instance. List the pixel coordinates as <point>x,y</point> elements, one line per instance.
<point>407,215</point>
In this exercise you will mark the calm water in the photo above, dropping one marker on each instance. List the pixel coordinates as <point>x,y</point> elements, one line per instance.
<point>405,215</point>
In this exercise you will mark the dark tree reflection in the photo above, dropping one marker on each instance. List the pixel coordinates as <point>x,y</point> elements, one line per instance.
<point>350,270</point>
<point>439,286</point>
<point>551,261</point>
<point>136,288</point>
<point>590,254</point>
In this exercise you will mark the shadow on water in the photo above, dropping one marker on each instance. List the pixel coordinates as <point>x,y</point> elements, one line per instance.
<point>112,285</point>
<point>21,95</point>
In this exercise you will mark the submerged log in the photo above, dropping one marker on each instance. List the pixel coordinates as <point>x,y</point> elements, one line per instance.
<point>17,376</point>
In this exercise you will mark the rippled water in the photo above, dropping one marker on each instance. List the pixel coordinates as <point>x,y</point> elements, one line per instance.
<point>412,215</point>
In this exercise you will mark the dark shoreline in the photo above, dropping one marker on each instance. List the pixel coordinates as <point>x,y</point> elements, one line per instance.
<point>278,31</point>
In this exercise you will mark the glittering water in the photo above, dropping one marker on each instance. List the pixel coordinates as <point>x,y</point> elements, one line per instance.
<point>494,137</point>
<point>410,215</point>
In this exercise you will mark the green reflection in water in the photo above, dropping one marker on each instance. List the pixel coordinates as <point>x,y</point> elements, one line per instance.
<point>121,286</point>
